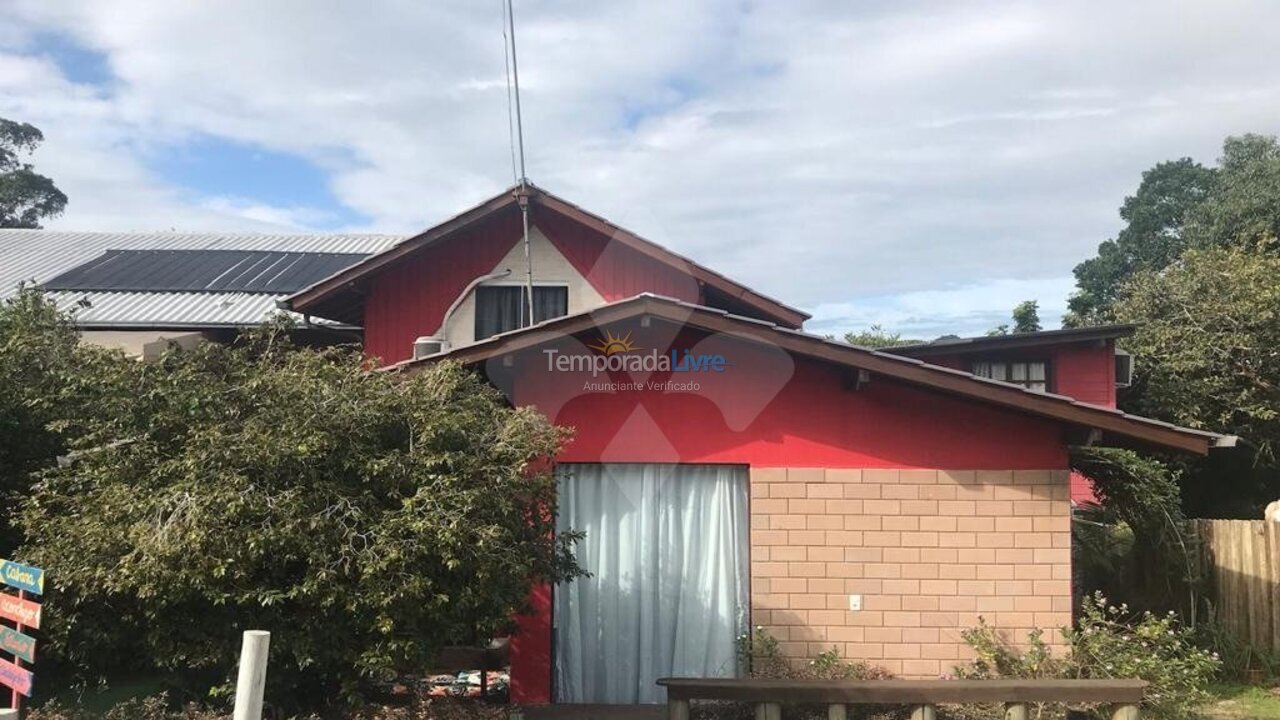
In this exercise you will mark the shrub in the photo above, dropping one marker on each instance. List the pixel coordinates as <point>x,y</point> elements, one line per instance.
<point>1108,643</point>
<point>365,518</point>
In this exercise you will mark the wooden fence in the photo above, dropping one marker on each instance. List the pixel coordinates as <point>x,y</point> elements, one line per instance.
<point>1242,562</point>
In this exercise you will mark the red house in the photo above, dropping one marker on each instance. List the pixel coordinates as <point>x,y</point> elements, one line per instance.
<point>731,470</point>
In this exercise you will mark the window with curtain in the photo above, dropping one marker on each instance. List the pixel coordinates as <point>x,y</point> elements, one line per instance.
<point>667,549</point>
<point>1029,374</point>
<point>502,308</point>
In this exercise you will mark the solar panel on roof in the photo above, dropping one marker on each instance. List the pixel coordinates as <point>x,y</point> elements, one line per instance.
<point>203,271</point>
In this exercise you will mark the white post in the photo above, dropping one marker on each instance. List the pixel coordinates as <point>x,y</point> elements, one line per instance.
<point>253,675</point>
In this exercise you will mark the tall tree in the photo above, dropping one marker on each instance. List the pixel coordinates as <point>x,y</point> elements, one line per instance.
<point>1026,317</point>
<point>1152,237</point>
<point>1207,347</point>
<point>26,196</point>
<point>1243,206</point>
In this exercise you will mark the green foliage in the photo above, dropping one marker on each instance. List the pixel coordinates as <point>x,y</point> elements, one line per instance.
<point>995,658</point>
<point>1207,350</point>
<point>1156,648</point>
<point>1243,207</point>
<point>877,337</point>
<point>1135,545</point>
<point>1151,239</point>
<point>48,383</point>
<point>760,652</point>
<point>26,197</point>
<point>365,518</point>
<point>150,708</point>
<point>1026,318</point>
<point>1107,643</point>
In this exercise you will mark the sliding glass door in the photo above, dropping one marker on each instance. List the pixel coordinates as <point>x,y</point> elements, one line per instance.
<point>666,548</point>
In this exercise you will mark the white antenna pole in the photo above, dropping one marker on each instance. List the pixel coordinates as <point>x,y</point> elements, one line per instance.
<point>523,192</point>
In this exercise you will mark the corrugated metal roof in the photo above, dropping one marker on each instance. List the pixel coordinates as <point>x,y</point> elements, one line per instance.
<point>258,271</point>
<point>171,309</point>
<point>40,255</point>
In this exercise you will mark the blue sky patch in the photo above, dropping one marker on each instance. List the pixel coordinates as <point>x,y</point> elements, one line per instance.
<point>78,63</point>
<point>217,167</point>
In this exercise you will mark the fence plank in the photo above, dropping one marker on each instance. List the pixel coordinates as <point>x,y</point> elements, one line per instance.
<point>1241,560</point>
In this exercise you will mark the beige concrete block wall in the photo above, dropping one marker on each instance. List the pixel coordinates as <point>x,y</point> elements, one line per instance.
<point>929,551</point>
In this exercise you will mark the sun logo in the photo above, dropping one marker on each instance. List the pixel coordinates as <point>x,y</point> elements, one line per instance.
<point>611,344</point>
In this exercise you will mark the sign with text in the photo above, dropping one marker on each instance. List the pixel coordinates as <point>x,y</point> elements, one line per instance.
<point>23,577</point>
<point>16,644</point>
<point>19,610</point>
<point>16,678</point>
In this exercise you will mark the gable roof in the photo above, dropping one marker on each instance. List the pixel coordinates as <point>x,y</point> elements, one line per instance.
<point>1109,421</point>
<point>951,345</point>
<point>339,296</point>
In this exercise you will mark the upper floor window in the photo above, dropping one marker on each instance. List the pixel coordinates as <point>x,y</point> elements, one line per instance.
<point>502,308</point>
<point>1029,374</point>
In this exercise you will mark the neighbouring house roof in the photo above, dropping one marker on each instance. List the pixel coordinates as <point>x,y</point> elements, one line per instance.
<point>1108,421</point>
<point>340,297</point>
<point>952,345</point>
<point>166,278</point>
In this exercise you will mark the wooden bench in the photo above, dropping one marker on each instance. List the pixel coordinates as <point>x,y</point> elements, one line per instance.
<point>925,695</point>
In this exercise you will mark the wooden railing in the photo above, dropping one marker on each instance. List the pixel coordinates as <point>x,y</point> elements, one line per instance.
<point>924,695</point>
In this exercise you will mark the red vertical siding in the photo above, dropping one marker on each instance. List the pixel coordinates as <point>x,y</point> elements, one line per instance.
<point>1086,372</point>
<point>409,299</point>
<point>614,269</point>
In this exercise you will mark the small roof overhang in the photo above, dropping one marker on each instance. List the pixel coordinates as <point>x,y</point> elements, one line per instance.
<point>1097,422</point>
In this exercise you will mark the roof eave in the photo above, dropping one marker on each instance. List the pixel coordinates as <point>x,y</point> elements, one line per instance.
<point>910,370</point>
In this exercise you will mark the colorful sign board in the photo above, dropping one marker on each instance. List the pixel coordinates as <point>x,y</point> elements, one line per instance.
<point>18,645</point>
<point>20,610</point>
<point>23,577</point>
<point>13,676</point>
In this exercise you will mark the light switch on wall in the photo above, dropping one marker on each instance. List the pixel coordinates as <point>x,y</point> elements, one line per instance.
<point>855,603</point>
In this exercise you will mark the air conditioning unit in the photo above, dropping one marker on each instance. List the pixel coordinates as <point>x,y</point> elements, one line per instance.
<point>428,346</point>
<point>1124,369</point>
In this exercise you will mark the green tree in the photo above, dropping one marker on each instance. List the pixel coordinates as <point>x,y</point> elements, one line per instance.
<point>877,337</point>
<point>1153,236</point>
<point>365,518</point>
<point>1243,206</point>
<point>1026,317</point>
<point>26,197</point>
<point>1207,348</point>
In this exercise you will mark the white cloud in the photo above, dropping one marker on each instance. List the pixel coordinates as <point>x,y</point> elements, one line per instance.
<point>831,154</point>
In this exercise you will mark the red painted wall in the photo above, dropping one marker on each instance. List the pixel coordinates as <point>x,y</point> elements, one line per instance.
<point>409,299</point>
<point>767,409</point>
<point>615,270</point>
<point>1084,371</point>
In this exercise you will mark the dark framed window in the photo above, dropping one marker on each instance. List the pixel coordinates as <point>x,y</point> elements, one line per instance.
<point>1031,374</point>
<point>502,308</point>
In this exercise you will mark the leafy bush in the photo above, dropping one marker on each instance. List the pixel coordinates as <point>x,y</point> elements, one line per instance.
<point>152,708</point>
<point>365,518</point>
<point>1108,643</point>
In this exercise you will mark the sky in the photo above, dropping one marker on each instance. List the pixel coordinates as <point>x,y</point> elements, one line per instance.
<point>923,166</point>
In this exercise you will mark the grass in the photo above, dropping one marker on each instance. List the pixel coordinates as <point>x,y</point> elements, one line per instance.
<point>1244,701</point>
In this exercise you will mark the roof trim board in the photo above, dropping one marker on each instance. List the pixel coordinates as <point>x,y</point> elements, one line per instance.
<point>909,370</point>
<point>982,343</point>
<point>320,295</point>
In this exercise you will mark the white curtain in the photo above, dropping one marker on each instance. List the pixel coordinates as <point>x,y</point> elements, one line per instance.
<point>666,546</point>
